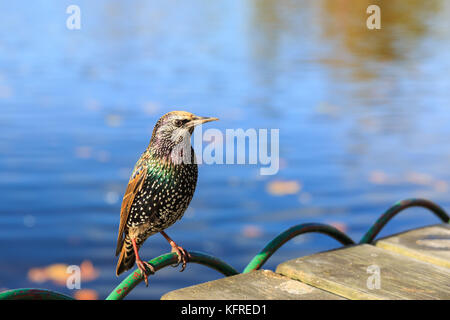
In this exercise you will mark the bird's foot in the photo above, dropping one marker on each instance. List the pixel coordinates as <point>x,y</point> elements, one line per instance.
<point>183,255</point>
<point>146,269</point>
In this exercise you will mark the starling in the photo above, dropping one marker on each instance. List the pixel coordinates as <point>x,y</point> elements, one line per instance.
<point>159,191</point>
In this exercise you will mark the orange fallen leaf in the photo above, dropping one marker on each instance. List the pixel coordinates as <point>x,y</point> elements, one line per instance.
<point>86,294</point>
<point>58,273</point>
<point>88,272</point>
<point>281,188</point>
<point>441,186</point>
<point>37,275</point>
<point>252,231</point>
<point>378,177</point>
<point>419,178</point>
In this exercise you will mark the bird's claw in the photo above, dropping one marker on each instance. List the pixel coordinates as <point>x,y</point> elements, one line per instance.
<point>144,266</point>
<point>183,257</point>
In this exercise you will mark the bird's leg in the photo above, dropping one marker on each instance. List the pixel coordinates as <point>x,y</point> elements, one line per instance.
<point>183,255</point>
<point>142,265</point>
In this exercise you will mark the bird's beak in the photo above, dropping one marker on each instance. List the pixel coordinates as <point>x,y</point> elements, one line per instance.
<point>200,120</point>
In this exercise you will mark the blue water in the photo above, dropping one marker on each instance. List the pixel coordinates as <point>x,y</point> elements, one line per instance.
<point>363,118</point>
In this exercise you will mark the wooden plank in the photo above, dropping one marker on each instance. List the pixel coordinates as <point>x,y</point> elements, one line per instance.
<point>430,244</point>
<point>345,273</point>
<point>256,285</point>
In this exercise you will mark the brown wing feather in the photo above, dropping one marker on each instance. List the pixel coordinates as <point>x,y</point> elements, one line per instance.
<point>135,184</point>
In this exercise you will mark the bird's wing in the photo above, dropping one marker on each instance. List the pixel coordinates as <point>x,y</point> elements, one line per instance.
<point>135,184</point>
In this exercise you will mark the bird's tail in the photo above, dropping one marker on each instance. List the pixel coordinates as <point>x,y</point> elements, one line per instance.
<point>127,257</point>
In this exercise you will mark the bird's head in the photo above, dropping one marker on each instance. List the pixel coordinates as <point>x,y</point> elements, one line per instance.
<point>175,128</point>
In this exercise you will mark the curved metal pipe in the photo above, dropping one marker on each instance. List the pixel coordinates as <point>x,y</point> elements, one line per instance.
<point>33,294</point>
<point>396,208</point>
<point>258,261</point>
<point>165,260</point>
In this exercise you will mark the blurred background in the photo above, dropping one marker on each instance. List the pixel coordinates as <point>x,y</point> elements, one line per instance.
<point>363,117</point>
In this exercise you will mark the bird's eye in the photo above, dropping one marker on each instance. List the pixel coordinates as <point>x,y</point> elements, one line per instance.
<point>178,123</point>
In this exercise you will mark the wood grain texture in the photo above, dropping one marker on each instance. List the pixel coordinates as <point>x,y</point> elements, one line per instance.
<point>256,285</point>
<point>430,244</point>
<point>345,273</point>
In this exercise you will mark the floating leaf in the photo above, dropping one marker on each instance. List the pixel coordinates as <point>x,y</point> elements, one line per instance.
<point>281,188</point>
<point>252,231</point>
<point>88,272</point>
<point>419,178</point>
<point>86,294</point>
<point>58,273</point>
<point>378,177</point>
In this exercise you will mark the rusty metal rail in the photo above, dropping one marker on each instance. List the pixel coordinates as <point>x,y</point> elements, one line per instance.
<point>135,277</point>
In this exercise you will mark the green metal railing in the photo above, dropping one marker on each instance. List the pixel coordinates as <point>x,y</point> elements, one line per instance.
<point>258,261</point>
<point>33,294</point>
<point>135,277</point>
<point>166,260</point>
<point>400,206</point>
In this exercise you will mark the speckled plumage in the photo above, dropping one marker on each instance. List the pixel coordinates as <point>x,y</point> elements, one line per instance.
<point>161,186</point>
<point>165,196</point>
